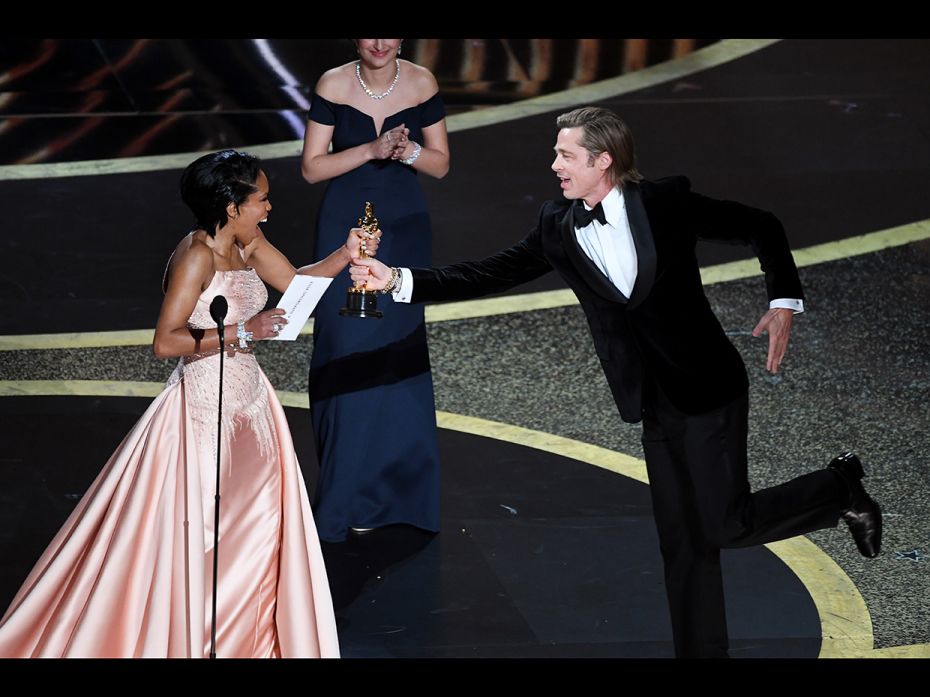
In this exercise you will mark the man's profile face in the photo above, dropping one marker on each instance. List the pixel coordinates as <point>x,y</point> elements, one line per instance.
<point>580,174</point>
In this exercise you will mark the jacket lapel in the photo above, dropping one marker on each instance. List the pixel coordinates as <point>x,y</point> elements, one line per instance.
<point>644,243</point>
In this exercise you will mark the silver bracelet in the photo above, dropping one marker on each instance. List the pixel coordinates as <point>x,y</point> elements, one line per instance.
<point>243,336</point>
<point>416,153</point>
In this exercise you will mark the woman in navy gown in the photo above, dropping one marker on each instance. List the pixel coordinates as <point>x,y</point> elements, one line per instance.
<point>371,390</point>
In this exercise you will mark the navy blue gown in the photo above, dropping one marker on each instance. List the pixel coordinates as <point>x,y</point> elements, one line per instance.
<point>371,390</point>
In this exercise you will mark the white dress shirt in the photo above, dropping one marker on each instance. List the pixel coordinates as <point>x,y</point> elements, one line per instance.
<point>610,246</point>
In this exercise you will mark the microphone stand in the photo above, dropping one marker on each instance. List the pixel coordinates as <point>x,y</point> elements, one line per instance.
<point>218,309</point>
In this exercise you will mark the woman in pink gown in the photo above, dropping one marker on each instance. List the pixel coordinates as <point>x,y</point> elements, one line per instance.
<point>130,572</point>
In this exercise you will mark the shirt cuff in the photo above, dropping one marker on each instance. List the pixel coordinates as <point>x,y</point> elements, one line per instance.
<point>787,304</point>
<point>406,286</point>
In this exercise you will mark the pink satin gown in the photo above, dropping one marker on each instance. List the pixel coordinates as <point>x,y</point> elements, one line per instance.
<point>130,573</point>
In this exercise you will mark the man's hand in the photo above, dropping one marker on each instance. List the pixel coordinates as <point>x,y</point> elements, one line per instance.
<point>777,322</point>
<point>371,272</point>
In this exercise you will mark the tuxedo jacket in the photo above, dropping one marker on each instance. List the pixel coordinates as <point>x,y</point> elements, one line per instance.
<point>665,331</point>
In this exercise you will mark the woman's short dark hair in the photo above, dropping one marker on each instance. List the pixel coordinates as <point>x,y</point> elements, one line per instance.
<point>211,182</point>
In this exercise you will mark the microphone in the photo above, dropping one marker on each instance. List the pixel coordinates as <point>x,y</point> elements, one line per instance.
<point>218,309</point>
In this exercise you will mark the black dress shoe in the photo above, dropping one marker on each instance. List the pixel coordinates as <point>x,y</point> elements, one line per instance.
<point>863,516</point>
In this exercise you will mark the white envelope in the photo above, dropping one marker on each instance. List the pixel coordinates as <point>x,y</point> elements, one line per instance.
<point>298,301</point>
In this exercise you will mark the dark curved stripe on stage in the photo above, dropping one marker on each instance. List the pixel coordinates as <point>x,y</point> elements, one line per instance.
<point>539,555</point>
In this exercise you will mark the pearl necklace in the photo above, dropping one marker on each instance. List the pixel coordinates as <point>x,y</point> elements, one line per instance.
<point>358,74</point>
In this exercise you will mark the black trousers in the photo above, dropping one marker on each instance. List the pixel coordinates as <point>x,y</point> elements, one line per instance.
<point>702,503</point>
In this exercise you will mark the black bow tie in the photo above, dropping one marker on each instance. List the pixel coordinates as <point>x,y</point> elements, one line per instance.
<point>583,216</point>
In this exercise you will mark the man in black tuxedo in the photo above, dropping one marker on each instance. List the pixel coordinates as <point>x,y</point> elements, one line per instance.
<point>626,247</point>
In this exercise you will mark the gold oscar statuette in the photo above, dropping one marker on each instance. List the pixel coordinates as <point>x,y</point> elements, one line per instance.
<point>360,301</point>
